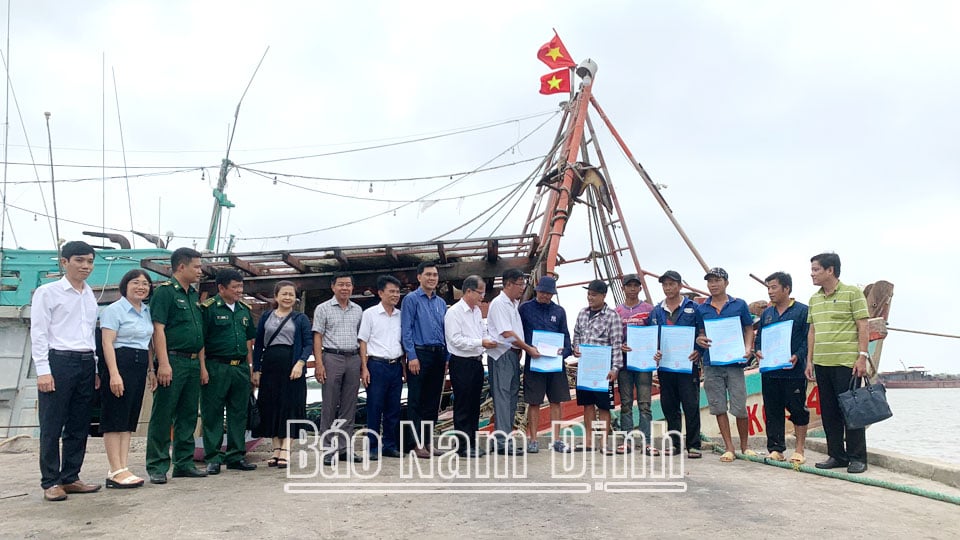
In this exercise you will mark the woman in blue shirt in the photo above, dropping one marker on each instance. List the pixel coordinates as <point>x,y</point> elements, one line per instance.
<point>126,330</point>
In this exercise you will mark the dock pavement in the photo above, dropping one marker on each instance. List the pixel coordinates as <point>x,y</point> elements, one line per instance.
<point>701,498</point>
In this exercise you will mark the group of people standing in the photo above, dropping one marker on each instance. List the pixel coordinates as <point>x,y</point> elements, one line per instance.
<point>209,355</point>
<point>191,355</point>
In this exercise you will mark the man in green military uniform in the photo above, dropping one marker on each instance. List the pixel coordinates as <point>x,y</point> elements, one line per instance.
<point>225,369</point>
<point>177,339</point>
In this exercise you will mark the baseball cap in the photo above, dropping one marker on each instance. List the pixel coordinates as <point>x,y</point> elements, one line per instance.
<point>597,286</point>
<point>546,284</point>
<point>631,277</point>
<point>718,272</point>
<point>671,274</point>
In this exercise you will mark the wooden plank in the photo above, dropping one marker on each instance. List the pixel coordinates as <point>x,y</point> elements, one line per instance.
<point>154,266</point>
<point>493,250</point>
<point>294,262</point>
<point>341,258</point>
<point>442,252</point>
<point>391,256</point>
<point>244,265</point>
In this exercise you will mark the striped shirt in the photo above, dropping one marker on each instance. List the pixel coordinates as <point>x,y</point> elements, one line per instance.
<point>600,328</point>
<point>834,318</point>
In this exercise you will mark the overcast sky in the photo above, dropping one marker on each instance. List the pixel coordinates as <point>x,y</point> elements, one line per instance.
<point>780,130</point>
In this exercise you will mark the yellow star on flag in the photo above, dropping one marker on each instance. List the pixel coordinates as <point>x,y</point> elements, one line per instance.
<point>554,53</point>
<point>554,82</point>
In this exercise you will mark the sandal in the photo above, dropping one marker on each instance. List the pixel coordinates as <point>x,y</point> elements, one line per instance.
<point>606,451</point>
<point>130,481</point>
<point>282,462</point>
<point>624,449</point>
<point>798,459</point>
<point>582,448</point>
<point>727,457</point>
<point>272,462</point>
<point>693,453</point>
<point>749,453</point>
<point>651,451</point>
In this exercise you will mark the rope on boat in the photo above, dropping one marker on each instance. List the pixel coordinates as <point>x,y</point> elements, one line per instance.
<point>865,480</point>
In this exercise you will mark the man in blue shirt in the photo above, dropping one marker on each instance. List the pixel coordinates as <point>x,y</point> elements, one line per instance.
<point>785,388</point>
<point>541,313</point>
<point>421,324</point>
<point>679,389</point>
<point>724,375</point>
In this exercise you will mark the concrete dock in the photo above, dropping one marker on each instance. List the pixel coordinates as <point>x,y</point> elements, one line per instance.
<point>737,500</point>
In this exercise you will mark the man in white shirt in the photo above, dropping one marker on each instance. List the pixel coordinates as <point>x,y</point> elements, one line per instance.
<point>381,371</point>
<point>63,319</point>
<point>464,333</point>
<point>503,361</point>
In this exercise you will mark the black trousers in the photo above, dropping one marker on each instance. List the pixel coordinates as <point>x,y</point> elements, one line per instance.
<point>466,376</point>
<point>780,394</point>
<point>676,390</point>
<point>833,381</point>
<point>66,412</point>
<point>423,393</point>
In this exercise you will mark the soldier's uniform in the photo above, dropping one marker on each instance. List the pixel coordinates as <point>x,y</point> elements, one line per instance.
<point>178,310</point>
<point>227,333</point>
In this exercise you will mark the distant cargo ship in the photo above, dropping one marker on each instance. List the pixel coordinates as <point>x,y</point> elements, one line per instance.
<point>918,377</point>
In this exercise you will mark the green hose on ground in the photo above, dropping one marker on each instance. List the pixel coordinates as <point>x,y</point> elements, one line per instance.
<point>865,480</point>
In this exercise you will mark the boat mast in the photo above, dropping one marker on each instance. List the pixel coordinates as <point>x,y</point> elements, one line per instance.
<point>582,182</point>
<point>220,200</point>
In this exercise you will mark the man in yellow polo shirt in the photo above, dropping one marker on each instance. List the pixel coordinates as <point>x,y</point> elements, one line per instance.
<point>837,351</point>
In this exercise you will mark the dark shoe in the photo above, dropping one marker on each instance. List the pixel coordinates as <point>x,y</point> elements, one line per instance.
<point>422,453</point>
<point>242,465</point>
<point>856,467</point>
<point>356,457</point>
<point>192,472</point>
<point>158,478</point>
<point>373,455</point>
<point>212,469</point>
<point>328,459</point>
<point>513,450</point>
<point>472,453</point>
<point>438,452</point>
<point>80,487</point>
<point>831,463</point>
<point>54,493</point>
<point>393,452</point>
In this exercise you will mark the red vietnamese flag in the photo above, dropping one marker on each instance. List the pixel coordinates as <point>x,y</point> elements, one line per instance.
<point>556,82</point>
<point>554,54</point>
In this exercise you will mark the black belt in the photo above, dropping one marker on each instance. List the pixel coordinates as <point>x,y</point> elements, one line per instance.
<point>73,355</point>
<point>384,360</point>
<point>433,348</point>
<point>227,360</point>
<point>184,354</point>
<point>474,358</point>
<point>341,352</point>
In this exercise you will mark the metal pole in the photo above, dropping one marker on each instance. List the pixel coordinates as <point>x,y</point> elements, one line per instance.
<point>653,188</point>
<point>53,189</point>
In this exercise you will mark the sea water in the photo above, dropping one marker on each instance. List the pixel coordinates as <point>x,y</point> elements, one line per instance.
<point>925,423</point>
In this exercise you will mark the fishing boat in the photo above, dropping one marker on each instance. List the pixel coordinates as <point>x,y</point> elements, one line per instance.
<point>572,179</point>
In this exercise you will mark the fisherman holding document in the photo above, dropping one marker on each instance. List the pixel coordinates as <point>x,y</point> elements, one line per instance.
<point>597,342</point>
<point>727,340</point>
<point>679,374</point>
<point>545,327</point>
<point>782,349</point>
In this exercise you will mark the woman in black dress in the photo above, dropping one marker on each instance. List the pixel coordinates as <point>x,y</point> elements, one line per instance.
<point>127,330</point>
<point>283,344</point>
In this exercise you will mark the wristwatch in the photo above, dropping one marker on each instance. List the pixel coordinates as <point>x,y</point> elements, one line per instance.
<point>865,354</point>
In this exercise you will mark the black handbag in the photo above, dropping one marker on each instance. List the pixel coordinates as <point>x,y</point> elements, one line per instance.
<point>253,413</point>
<point>865,405</point>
